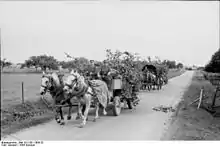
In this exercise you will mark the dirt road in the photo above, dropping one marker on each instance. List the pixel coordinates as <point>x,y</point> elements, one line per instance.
<point>142,124</point>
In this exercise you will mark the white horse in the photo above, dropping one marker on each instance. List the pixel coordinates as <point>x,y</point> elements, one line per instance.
<point>159,82</point>
<point>53,84</point>
<point>150,80</point>
<point>75,85</point>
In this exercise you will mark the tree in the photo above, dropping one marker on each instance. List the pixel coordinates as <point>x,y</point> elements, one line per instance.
<point>5,63</point>
<point>32,61</point>
<point>81,63</point>
<point>170,64</point>
<point>68,65</point>
<point>214,64</point>
<point>158,60</point>
<point>27,63</point>
<point>42,61</point>
<point>47,62</point>
<point>179,65</point>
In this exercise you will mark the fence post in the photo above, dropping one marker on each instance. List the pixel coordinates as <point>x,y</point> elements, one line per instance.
<point>200,97</point>
<point>22,92</point>
<point>214,98</point>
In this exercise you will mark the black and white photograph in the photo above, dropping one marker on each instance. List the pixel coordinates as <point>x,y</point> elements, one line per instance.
<point>109,70</point>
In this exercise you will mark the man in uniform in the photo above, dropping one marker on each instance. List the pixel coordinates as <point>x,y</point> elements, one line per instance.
<point>93,73</point>
<point>104,73</point>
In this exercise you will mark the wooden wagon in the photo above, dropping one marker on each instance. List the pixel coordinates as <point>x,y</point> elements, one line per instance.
<point>158,70</point>
<point>118,97</point>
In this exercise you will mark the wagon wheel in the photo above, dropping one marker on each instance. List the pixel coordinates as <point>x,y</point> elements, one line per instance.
<point>117,106</point>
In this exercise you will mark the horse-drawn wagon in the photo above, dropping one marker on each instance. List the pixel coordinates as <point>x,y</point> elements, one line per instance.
<point>91,93</point>
<point>121,95</point>
<point>154,74</point>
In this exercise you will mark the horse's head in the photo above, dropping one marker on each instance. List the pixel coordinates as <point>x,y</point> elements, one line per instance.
<point>48,81</point>
<point>71,81</point>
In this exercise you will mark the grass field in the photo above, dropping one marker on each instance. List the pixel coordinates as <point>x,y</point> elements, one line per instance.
<point>34,111</point>
<point>11,88</point>
<point>175,72</point>
<point>190,123</point>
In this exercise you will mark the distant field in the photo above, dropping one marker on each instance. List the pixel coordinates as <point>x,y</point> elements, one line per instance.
<point>175,72</point>
<point>11,88</point>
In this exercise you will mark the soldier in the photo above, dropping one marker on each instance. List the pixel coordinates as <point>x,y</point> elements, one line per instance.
<point>93,72</point>
<point>104,73</point>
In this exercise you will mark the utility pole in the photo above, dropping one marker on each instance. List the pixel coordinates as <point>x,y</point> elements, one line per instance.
<point>1,51</point>
<point>0,44</point>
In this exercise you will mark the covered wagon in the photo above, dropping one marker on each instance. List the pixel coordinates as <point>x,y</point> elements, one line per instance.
<point>160,71</point>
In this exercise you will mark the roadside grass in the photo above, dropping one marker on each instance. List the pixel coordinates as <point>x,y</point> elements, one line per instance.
<point>175,72</point>
<point>190,123</point>
<point>17,117</point>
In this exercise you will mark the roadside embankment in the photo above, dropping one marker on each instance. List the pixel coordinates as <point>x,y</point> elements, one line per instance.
<point>190,123</point>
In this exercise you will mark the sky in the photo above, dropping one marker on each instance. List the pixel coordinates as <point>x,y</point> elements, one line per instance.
<point>187,32</point>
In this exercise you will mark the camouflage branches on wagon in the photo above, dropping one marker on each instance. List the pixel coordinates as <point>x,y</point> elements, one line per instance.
<point>125,64</point>
<point>157,69</point>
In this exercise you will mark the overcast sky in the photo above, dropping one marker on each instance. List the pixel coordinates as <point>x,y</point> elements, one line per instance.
<point>183,31</point>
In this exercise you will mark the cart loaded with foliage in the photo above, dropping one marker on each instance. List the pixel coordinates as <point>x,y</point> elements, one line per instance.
<point>123,93</point>
<point>124,80</point>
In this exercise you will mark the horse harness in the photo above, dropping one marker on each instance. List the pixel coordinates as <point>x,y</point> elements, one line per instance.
<point>50,87</point>
<point>79,92</point>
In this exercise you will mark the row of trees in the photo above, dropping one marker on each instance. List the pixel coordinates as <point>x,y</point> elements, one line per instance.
<point>172,64</point>
<point>82,63</point>
<point>44,61</point>
<point>214,63</point>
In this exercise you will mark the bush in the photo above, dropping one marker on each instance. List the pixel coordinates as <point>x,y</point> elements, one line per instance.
<point>214,64</point>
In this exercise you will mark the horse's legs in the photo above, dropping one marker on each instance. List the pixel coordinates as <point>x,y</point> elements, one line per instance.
<point>158,86</point>
<point>57,116</point>
<point>104,111</point>
<point>70,109</point>
<point>61,116</point>
<point>79,113</point>
<point>88,103</point>
<point>96,111</point>
<point>83,109</point>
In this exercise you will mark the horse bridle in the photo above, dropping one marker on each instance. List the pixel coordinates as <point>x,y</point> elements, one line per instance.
<point>47,88</point>
<point>73,83</point>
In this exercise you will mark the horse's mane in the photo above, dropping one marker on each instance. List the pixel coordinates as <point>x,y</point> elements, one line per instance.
<point>81,80</point>
<point>56,79</point>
